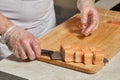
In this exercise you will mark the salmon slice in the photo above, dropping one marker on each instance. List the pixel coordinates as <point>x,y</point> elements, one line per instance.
<point>85,49</point>
<point>88,58</point>
<point>67,53</point>
<point>94,49</point>
<point>78,55</point>
<point>116,22</point>
<point>98,57</point>
<point>75,47</point>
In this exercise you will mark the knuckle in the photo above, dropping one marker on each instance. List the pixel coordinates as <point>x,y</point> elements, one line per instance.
<point>35,41</point>
<point>36,47</point>
<point>17,55</point>
<point>23,58</point>
<point>24,41</point>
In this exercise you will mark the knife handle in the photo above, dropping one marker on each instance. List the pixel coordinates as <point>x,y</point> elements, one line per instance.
<point>46,52</point>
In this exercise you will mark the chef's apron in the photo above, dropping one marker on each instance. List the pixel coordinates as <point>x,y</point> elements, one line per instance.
<point>35,16</point>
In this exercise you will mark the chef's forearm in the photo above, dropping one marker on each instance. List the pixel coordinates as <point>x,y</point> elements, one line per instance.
<point>81,4</point>
<point>4,24</point>
<point>86,0</point>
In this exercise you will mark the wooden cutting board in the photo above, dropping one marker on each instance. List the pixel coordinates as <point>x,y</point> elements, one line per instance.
<point>106,38</point>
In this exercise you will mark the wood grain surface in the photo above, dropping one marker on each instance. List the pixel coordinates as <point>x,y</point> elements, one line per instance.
<point>106,38</point>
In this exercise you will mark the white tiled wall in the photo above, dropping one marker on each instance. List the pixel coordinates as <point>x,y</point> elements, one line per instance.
<point>106,4</point>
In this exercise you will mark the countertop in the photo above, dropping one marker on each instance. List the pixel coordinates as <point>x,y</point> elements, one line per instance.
<point>36,70</point>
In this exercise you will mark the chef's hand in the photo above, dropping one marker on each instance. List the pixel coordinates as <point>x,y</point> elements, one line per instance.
<point>89,16</point>
<point>22,43</point>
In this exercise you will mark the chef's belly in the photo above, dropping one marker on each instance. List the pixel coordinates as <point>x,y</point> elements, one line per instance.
<point>26,11</point>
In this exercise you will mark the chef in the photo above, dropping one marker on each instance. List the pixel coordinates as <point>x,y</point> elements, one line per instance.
<point>22,22</point>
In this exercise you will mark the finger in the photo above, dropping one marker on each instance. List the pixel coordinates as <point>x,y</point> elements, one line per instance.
<point>36,47</point>
<point>84,18</point>
<point>16,53</point>
<point>83,31</point>
<point>82,26</point>
<point>91,28</point>
<point>95,28</point>
<point>96,24</point>
<point>21,52</point>
<point>29,51</point>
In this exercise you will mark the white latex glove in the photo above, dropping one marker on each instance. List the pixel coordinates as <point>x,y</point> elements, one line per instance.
<point>89,16</point>
<point>22,43</point>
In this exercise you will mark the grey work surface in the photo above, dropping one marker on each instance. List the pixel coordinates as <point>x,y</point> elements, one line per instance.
<point>7,76</point>
<point>36,70</point>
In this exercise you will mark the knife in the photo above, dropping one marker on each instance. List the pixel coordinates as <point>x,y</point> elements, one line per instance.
<point>56,55</point>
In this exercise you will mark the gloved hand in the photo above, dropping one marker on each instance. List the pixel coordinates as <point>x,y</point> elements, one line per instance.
<point>89,16</point>
<point>22,43</point>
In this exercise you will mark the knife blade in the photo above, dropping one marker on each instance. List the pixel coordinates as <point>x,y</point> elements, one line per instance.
<point>56,55</point>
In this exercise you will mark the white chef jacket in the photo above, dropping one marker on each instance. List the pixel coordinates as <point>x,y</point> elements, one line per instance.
<point>35,16</point>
